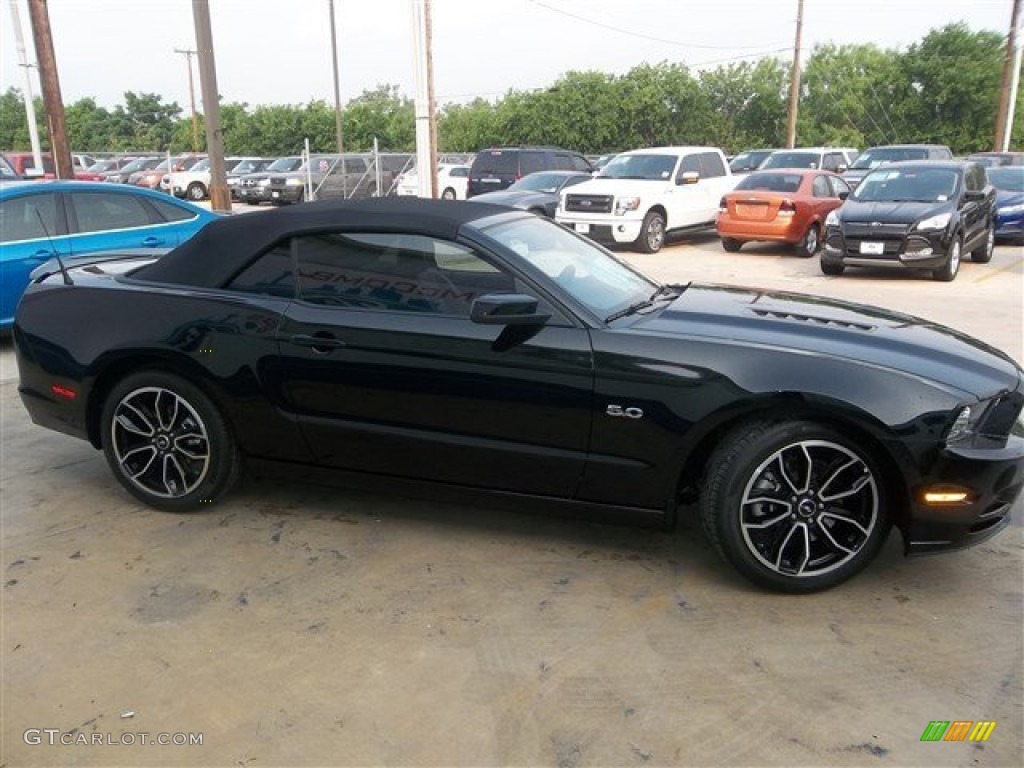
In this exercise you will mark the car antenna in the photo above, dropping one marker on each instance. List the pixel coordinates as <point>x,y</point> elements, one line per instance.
<point>56,253</point>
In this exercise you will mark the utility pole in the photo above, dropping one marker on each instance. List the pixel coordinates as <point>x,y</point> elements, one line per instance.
<point>220,198</point>
<point>1011,79</point>
<point>337,85</point>
<point>29,97</point>
<point>50,84</point>
<point>425,151</point>
<point>428,16</point>
<point>794,78</point>
<point>191,96</point>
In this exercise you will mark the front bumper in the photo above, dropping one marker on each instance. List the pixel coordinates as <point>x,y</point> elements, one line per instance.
<point>886,247</point>
<point>284,194</point>
<point>606,229</point>
<point>995,478</point>
<point>1010,226</point>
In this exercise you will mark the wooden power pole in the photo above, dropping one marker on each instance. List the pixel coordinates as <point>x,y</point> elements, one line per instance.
<point>794,78</point>
<point>50,84</point>
<point>220,198</point>
<point>428,16</point>
<point>188,54</point>
<point>1011,75</point>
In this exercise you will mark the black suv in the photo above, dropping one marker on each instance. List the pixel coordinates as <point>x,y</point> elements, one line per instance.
<point>920,214</point>
<point>496,168</point>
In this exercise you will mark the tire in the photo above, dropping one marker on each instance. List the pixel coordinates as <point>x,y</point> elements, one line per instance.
<point>794,506</point>
<point>832,268</point>
<point>652,233</point>
<point>448,194</point>
<point>167,443</point>
<point>948,271</point>
<point>811,242</point>
<point>731,245</point>
<point>983,253</point>
<point>195,191</point>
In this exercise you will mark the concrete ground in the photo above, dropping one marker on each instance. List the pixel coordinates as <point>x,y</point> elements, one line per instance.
<point>302,625</point>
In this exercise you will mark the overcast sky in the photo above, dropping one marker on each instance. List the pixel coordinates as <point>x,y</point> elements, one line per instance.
<point>278,51</point>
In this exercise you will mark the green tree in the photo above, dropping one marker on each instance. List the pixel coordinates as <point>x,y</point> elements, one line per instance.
<point>13,122</point>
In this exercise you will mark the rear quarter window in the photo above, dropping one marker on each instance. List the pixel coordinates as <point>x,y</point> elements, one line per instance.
<point>531,162</point>
<point>495,162</point>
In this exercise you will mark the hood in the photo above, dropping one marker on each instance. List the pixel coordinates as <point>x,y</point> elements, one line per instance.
<point>618,187</point>
<point>518,198</point>
<point>889,212</point>
<point>827,327</point>
<point>1007,197</point>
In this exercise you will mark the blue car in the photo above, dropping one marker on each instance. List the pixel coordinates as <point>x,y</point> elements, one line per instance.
<point>1009,183</point>
<point>41,219</point>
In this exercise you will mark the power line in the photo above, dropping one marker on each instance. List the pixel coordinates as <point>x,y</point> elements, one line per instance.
<point>643,36</point>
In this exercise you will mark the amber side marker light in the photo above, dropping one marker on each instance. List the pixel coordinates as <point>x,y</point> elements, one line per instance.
<point>946,496</point>
<point>65,392</point>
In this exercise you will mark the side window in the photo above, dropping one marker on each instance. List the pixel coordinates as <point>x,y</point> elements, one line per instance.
<point>973,181</point>
<point>580,164</point>
<point>839,186</point>
<point>820,187</point>
<point>691,163</point>
<point>271,274</point>
<point>530,162</point>
<point>170,211</point>
<point>28,217</point>
<point>563,162</point>
<point>832,161</point>
<point>100,211</point>
<point>395,272</point>
<point>711,165</point>
<point>459,172</point>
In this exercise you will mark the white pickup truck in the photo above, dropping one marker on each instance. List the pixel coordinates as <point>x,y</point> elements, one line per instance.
<point>642,195</point>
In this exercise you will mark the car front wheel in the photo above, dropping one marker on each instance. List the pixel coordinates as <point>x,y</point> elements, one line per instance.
<point>794,506</point>
<point>167,443</point>
<point>652,233</point>
<point>196,191</point>
<point>948,271</point>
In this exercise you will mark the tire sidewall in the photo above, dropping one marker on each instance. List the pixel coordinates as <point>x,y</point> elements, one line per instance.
<point>734,480</point>
<point>647,231</point>
<point>224,467</point>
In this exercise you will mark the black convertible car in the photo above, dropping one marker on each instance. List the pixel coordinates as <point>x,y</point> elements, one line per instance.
<point>469,346</point>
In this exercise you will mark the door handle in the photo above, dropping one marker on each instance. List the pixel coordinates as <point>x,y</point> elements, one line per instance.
<point>319,344</point>
<point>42,255</point>
<point>152,242</point>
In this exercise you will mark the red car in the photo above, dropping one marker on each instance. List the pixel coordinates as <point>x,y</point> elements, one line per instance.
<point>24,165</point>
<point>786,205</point>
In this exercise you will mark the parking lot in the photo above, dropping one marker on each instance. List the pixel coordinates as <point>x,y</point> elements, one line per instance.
<point>309,625</point>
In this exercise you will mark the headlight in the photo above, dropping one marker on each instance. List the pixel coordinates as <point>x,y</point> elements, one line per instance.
<point>293,182</point>
<point>1011,209</point>
<point>832,220</point>
<point>963,425</point>
<point>939,221</point>
<point>624,204</point>
<point>989,423</point>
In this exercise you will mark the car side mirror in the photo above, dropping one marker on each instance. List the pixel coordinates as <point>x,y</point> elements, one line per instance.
<point>843,195</point>
<point>688,177</point>
<point>506,309</point>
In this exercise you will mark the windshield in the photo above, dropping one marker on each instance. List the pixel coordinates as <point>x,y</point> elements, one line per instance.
<point>646,167</point>
<point>246,166</point>
<point>285,164</point>
<point>1007,179</point>
<point>792,160</point>
<point>919,184</point>
<point>589,274</point>
<point>202,165</point>
<point>137,165</point>
<point>540,182</point>
<point>872,158</point>
<point>771,182</point>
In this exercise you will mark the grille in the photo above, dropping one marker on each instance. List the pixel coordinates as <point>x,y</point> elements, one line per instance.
<point>589,203</point>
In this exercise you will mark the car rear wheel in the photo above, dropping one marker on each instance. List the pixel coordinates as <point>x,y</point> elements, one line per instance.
<point>947,272</point>
<point>811,242</point>
<point>983,253</point>
<point>196,191</point>
<point>166,442</point>
<point>794,506</point>
<point>731,245</point>
<point>652,233</point>
<point>448,194</point>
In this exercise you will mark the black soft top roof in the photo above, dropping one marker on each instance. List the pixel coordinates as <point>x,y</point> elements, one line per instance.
<point>223,247</point>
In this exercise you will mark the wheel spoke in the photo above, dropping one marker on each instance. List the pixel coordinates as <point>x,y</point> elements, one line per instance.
<point>828,534</point>
<point>192,436</point>
<point>768,523</point>
<point>126,423</point>
<point>160,411</point>
<point>857,487</point>
<point>785,476</point>
<point>128,456</point>
<point>171,466</point>
<point>833,515</point>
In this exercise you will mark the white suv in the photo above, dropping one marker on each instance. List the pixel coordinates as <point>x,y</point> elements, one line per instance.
<point>835,159</point>
<point>642,195</point>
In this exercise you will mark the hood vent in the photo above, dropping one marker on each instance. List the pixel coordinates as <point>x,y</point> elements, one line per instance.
<point>822,321</point>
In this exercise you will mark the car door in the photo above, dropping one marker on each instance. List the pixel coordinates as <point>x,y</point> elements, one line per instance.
<point>32,230</point>
<point>115,220</point>
<point>387,374</point>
